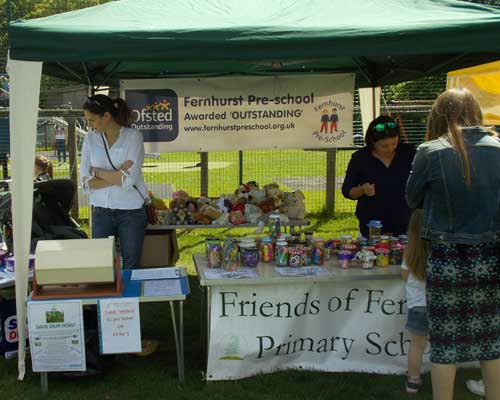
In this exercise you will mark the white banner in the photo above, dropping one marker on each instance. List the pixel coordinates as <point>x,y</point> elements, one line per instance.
<point>236,113</point>
<point>351,326</point>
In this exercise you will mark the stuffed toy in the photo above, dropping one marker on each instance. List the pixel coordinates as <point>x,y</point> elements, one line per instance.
<point>157,203</point>
<point>252,213</point>
<point>223,204</point>
<point>242,191</point>
<point>267,206</point>
<point>276,195</point>
<point>236,217</point>
<point>256,196</point>
<point>177,204</point>
<point>210,211</point>
<point>252,185</point>
<point>294,205</point>
<point>180,194</point>
<point>202,200</point>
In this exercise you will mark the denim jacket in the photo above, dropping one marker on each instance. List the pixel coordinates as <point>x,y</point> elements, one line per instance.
<point>452,212</point>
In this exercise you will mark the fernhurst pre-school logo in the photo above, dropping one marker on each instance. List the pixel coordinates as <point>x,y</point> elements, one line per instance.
<point>330,128</point>
<point>155,113</point>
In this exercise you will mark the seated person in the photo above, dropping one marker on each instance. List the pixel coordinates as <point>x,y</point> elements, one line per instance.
<point>43,169</point>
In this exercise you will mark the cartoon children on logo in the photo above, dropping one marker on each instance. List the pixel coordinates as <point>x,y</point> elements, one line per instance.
<point>330,130</point>
<point>333,119</point>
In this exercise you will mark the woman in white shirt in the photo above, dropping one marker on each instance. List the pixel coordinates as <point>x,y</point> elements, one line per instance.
<point>111,170</point>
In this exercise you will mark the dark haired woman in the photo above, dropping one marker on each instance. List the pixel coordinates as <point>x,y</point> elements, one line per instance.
<point>111,163</point>
<point>43,169</point>
<point>376,177</point>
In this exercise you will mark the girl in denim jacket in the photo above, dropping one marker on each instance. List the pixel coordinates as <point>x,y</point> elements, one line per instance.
<point>455,179</point>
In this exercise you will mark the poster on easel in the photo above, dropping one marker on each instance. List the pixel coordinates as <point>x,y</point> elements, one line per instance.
<point>56,335</point>
<point>119,326</point>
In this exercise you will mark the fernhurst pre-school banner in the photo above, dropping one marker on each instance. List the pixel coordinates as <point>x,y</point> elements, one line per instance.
<point>351,326</point>
<point>235,113</point>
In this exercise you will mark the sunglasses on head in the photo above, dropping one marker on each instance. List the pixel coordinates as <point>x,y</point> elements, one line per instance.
<point>383,126</point>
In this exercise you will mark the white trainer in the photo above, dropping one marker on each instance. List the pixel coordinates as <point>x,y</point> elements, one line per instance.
<point>476,387</point>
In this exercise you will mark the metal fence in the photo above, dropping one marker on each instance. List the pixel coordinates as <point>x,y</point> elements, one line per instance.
<point>318,174</point>
<point>218,173</point>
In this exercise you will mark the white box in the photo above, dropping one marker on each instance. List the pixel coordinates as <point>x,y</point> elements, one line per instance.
<point>75,261</point>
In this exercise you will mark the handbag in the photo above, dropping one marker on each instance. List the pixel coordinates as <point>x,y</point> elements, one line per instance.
<point>150,210</point>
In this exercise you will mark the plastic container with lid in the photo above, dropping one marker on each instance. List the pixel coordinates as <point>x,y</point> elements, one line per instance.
<point>374,229</point>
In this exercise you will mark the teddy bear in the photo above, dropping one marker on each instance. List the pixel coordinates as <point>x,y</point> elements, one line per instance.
<point>236,217</point>
<point>256,196</point>
<point>276,195</point>
<point>294,205</point>
<point>252,213</point>
<point>180,194</point>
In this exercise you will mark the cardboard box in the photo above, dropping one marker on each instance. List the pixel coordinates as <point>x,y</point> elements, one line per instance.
<point>75,261</point>
<point>159,249</point>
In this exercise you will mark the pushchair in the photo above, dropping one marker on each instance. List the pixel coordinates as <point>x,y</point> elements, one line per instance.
<point>52,202</point>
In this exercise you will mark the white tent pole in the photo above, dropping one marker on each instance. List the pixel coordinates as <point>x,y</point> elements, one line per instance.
<point>24,80</point>
<point>369,104</point>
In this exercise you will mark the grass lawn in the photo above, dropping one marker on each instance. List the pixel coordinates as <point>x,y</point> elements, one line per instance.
<point>155,376</point>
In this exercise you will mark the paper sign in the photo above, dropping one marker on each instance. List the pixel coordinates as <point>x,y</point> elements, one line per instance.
<point>154,273</point>
<point>162,287</point>
<point>302,271</point>
<point>56,335</point>
<point>119,326</point>
<point>242,273</point>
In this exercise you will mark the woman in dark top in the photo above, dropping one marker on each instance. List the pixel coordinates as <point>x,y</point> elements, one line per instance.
<point>376,177</point>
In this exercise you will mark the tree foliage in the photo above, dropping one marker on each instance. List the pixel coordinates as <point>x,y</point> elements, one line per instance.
<point>29,9</point>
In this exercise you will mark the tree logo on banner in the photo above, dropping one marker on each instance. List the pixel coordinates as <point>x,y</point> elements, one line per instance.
<point>232,349</point>
<point>330,121</point>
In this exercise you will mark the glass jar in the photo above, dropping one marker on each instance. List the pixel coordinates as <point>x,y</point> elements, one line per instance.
<point>274,226</point>
<point>210,240</point>
<point>308,236</point>
<point>281,253</point>
<point>250,256</point>
<point>214,259</point>
<point>382,254</point>
<point>295,256</point>
<point>230,254</point>
<point>267,250</point>
<point>346,239</point>
<point>318,251</point>
<point>374,229</point>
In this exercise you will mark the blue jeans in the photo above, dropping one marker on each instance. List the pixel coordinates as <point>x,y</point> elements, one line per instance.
<point>61,149</point>
<point>127,225</point>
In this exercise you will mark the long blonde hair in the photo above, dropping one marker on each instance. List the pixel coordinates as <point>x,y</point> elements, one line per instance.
<point>453,110</point>
<point>417,250</point>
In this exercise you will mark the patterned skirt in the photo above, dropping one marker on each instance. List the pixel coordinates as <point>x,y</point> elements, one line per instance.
<point>463,302</point>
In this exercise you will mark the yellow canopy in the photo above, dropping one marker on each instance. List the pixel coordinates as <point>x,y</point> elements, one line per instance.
<point>484,83</point>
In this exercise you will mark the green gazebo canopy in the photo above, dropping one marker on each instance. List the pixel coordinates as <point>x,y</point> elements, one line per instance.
<point>382,41</point>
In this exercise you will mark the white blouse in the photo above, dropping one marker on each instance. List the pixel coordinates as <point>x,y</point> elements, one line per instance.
<point>128,146</point>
